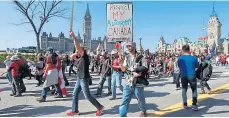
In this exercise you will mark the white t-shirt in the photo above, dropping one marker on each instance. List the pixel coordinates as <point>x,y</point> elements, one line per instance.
<point>217,59</point>
<point>7,63</point>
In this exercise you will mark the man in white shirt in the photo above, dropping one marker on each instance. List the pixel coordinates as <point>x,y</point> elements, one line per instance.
<point>7,63</point>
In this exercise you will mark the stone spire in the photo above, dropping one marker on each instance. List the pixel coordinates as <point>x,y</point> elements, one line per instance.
<point>87,14</point>
<point>213,10</point>
<point>79,37</point>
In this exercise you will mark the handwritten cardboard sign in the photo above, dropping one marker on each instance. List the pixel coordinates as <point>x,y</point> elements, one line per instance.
<point>119,21</point>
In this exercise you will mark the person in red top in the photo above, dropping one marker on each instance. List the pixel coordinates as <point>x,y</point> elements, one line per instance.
<point>51,75</point>
<point>116,78</point>
<point>14,68</point>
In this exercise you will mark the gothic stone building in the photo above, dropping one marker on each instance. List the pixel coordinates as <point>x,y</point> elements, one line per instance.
<point>213,37</point>
<point>60,43</point>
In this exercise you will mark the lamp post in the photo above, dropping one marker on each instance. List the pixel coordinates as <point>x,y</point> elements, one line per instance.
<point>84,41</point>
<point>140,46</point>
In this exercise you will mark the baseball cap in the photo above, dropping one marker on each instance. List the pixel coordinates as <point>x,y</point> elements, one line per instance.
<point>132,44</point>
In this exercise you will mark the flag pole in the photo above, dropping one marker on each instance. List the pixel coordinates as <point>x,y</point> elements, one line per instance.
<point>71,22</point>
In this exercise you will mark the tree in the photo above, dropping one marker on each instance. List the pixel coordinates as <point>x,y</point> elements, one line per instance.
<point>41,12</point>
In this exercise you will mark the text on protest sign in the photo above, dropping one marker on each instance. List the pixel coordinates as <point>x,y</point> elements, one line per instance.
<point>119,21</point>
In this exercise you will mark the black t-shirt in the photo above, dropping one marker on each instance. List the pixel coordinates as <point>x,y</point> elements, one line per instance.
<point>83,67</point>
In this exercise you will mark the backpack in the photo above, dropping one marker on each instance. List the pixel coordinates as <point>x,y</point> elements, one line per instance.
<point>207,72</point>
<point>204,70</point>
<point>23,70</point>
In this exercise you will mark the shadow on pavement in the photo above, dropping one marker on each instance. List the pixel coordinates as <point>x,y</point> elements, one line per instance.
<point>205,108</point>
<point>31,111</point>
<point>132,108</point>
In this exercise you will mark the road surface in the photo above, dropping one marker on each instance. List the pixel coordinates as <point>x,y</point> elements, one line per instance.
<point>161,98</point>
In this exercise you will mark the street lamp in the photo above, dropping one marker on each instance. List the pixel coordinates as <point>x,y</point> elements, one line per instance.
<point>84,41</point>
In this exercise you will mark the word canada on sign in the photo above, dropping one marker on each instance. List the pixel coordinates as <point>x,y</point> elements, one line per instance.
<point>119,21</point>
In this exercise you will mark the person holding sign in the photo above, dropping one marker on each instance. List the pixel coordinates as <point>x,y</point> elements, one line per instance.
<point>83,78</point>
<point>133,62</point>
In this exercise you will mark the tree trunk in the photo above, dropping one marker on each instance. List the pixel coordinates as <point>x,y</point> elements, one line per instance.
<point>38,43</point>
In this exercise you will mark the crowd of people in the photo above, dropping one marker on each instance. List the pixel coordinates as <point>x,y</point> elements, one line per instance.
<point>136,68</point>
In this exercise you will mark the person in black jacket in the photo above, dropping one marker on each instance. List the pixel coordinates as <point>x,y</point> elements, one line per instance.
<point>105,74</point>
<point>205,74</point>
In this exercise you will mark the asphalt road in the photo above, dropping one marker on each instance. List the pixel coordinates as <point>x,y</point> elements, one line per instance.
<point>160,94</point>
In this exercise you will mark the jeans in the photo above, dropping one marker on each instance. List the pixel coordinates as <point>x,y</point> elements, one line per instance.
<point>116,80</point>
<point>16,86</point>
<point>193,83</point>
<point>21,83</point>
<point>39,79</point>
<point>45,90</point>
<point>9,76</point>
<point>101,82</point>
<point>177,79</point>
<point>64,77</point>
<point>82,84</point>
<point>204,84</point>
<point>127,95</point>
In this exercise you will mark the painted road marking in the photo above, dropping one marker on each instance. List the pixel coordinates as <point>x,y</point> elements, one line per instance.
<point>201,97</point>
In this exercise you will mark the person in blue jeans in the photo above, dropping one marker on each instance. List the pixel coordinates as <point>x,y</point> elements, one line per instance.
<point>128,65</point>
<point>116,77</point>
<point>188,65</point>
<point>82,82</point>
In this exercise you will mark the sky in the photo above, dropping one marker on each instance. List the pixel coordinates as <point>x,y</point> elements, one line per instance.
<point>151,20</point>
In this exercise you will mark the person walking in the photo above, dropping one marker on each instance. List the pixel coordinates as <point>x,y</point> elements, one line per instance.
<point>82,82</point>
<point>16,71</point>
<point>8,74</point>
<point>51,76</point>
<point>105,74</point>
<point>116,78</point>
<point>131,62</point>
<point>205,74</point>
<point>188,65</point>
<point>176,74</point>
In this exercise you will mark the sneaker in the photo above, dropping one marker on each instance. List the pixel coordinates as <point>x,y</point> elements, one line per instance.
<point>143,114</point>
<point>12,94</point>
<point>184,106</point>
<point>209,92</point>
<point>58,96</point>
<point>100,111</point>
<point>41,99</point>
<point>64,96</point>
<point>71,113</point>
<point>17,95</point>
<point>202,92</point>
<point>195,108</point>
<point>178,88</point>
<point>112,98</point>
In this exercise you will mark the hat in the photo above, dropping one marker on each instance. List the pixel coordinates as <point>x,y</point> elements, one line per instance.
<point>114,51</point>
<point>132,44</point>
<point>14,58</point>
